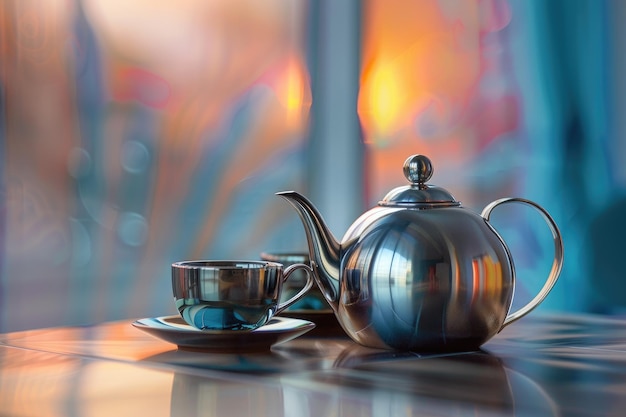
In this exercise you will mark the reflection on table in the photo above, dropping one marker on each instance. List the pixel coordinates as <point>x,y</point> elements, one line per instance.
<point>545,366</point>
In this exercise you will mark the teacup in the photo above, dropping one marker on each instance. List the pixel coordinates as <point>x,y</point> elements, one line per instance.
<point>233,295</point>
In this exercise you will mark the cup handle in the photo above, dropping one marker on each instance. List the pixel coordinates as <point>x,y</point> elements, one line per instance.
<point>557,264</point>
<point>309,283</point>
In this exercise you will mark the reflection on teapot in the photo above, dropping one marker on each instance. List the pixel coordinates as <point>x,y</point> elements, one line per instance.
<point>419,272</point>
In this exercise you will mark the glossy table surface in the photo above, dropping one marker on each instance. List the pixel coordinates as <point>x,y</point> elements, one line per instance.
<point>539,366</point>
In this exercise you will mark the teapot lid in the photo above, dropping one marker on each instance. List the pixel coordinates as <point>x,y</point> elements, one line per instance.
<point>418,169</point>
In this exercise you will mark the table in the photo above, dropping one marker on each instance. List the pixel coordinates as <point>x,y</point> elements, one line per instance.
<point>567,365</point>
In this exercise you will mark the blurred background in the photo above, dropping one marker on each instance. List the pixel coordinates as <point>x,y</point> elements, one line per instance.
<point>136,134</point>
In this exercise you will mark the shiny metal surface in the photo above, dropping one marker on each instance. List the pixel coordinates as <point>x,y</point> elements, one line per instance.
<point>415,273</point>
<point>175,330</point>
<point>233,295</point>
<point>313,306</point>
<point>418,169</point>
<point>557,264</point>
<point>313,300</point>
<point>542,366</point>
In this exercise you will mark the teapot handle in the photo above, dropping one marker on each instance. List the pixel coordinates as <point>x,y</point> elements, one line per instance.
<point>557,264</point>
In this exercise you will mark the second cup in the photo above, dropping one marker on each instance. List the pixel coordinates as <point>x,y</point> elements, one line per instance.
<point>232,295</point>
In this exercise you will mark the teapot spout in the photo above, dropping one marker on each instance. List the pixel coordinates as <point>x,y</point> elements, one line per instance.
<point>324,249</point>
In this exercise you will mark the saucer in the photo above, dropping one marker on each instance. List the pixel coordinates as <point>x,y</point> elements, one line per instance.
<point>175,330</point>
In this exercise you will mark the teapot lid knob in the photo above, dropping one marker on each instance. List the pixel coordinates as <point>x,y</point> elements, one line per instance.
<point>418,169</point>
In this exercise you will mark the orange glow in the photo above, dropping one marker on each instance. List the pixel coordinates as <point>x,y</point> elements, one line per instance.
<point>476,278</point>
<point>492,276</point>
<point>486,277</point>
<point>382,98</point>
<point>292,89</point>
<point>414,53</point>
<point>136,391</point>
<point>422,86</point>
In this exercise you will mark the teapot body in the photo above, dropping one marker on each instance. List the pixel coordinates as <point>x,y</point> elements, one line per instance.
<point>415,279</point>
<point>418,271</point>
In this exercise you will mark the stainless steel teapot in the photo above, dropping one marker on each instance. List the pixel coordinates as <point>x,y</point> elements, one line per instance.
<point>419,271</point>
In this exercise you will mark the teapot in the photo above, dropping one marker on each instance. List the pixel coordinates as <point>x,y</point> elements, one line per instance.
<point>419,271</point>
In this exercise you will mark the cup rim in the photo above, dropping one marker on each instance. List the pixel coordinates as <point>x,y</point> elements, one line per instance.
<point>214,264</point>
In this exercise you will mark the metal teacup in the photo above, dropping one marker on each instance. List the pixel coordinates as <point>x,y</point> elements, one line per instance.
<point>233,295</point>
